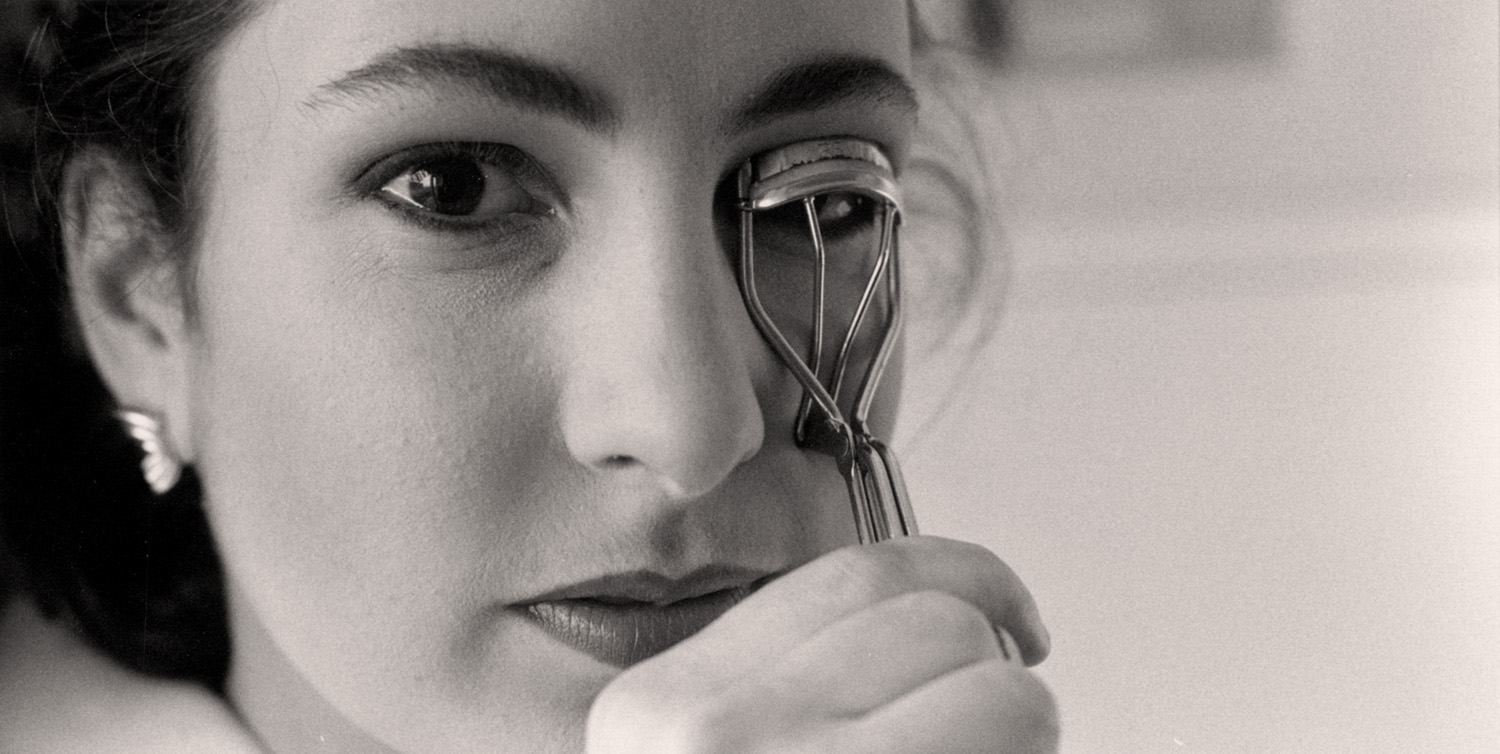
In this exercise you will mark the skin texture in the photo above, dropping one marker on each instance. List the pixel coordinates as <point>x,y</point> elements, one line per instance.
<point>402,430</point>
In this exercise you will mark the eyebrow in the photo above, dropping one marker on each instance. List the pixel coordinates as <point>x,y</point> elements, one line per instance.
<point>550,90</point>
<point>824,83</point>
<point>526,83</point>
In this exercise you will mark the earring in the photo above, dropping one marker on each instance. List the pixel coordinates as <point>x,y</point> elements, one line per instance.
<point>160,465</point>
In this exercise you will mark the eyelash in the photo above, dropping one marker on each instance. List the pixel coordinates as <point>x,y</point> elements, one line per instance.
<point>527,174</point>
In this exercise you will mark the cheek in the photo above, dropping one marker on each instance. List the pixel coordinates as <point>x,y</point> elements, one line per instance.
<point>369,455</point>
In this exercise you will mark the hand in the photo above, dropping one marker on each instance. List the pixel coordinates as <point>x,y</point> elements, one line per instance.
<point>877,649</point>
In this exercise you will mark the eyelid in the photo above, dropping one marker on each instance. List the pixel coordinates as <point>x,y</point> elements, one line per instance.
<point>531,176</point>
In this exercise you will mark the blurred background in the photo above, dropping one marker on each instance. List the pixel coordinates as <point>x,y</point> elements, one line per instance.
<point>1239,427</point>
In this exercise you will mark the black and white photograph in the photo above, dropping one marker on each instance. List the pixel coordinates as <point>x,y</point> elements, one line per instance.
<point>755,377</point>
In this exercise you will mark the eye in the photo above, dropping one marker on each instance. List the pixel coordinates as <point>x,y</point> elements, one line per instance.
<point>462,184</point>
<point>841,215</point>
<point>843,212</point>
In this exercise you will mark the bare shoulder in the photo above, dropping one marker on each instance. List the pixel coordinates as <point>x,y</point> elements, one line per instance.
<point>59,695</point>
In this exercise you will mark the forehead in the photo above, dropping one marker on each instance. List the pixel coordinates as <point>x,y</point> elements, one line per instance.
<point>683,57</point>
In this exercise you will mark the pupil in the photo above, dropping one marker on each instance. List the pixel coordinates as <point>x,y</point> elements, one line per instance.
<point>836,207</point>
<point>450,186</point>
<point>842,213</point>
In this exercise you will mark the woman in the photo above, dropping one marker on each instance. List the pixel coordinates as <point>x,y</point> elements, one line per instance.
<point>434,301</point>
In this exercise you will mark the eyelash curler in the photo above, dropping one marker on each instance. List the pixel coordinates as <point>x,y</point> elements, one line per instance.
<point>859,262</point>
<point>812,175</point>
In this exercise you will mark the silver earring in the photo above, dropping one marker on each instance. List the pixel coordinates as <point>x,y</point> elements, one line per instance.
<point>160,465</point>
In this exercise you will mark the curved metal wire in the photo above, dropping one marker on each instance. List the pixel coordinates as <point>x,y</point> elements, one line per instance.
<point>800,172</point>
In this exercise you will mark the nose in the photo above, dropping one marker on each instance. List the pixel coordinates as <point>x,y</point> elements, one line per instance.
<point>662,361</point>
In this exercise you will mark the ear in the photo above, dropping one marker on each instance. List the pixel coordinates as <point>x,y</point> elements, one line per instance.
<point>126,286</point>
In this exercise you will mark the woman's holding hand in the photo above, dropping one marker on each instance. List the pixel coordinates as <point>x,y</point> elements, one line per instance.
<point>894,647</point>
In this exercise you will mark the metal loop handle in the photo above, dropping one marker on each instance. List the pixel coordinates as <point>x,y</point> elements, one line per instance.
<point>877,494</point>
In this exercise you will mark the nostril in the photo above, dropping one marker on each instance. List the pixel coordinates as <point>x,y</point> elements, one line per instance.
<point>618,461</point>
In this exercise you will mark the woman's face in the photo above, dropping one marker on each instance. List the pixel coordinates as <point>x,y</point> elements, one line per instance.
<point>468,338</point>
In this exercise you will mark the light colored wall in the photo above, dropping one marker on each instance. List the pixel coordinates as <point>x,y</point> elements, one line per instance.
<point>1240,427</point>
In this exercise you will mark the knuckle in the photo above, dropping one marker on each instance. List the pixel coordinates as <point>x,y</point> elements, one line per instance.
<point>943,619</point>
<point>636,713</point>
<point>715,726</point>
<point>690,734</point>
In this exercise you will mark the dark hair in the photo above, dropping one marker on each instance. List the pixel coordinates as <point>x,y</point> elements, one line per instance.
<point>139,576</point>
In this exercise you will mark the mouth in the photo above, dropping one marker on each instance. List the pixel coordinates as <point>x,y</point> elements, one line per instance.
<point>623,619</point>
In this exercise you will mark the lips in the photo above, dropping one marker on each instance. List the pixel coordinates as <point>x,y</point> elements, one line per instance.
<point>623,619</point>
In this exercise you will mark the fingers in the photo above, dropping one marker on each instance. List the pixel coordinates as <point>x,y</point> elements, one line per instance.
<point>903,647</point>
<point>877,655</point>
<point>986,707</point>
<point>801,603</point>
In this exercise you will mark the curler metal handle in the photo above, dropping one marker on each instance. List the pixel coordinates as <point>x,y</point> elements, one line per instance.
<point>799,172</point>
<point>877,493</point>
